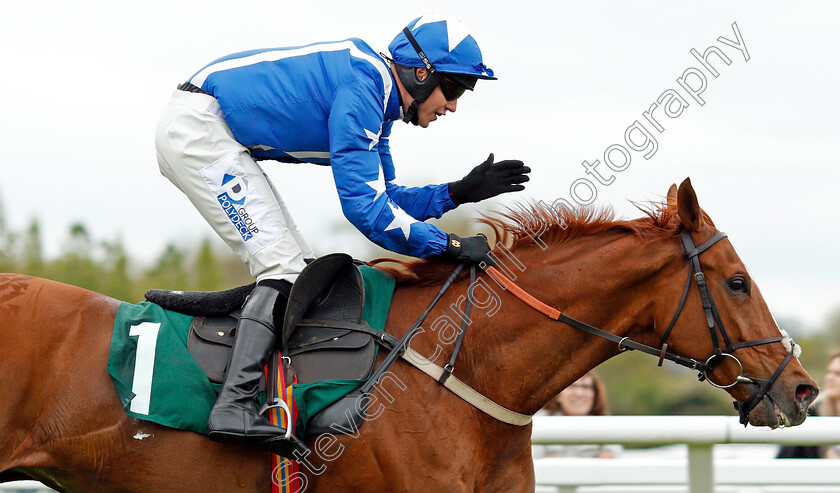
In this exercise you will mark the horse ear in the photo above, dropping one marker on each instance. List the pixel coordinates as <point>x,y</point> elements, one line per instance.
<point>689,210</point>
<point>672,198</point>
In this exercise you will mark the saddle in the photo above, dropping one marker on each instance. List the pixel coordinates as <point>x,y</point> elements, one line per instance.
<point>323,332</point>
<point>323,335</point>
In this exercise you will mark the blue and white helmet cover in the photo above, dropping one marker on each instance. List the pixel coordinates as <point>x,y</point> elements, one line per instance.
<point>447,43</point>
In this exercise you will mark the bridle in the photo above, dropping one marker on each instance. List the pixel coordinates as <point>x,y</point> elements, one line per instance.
<point>713,321</point>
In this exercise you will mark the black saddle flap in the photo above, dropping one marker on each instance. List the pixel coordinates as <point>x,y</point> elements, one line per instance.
<point>327,361</point>
<point>313,339</point>
<point>330,287</point>
<point>209,341</point>
<point>217,330</point>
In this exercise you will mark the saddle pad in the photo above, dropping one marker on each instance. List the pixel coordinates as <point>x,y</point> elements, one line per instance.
<point>158,380</point>
<point>155,375</point>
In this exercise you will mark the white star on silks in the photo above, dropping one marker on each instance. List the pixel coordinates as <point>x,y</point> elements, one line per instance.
<point>456,31</point>
<point>378,184</point>
<point>401,220</point>
<point>374,137</point>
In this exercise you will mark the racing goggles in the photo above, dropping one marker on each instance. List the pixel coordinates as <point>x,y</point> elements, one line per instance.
<point>451,90</point>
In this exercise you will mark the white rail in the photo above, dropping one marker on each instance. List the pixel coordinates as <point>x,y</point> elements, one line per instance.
<point>24,487</point>
<point>700,434</point>
<point>758,474</point>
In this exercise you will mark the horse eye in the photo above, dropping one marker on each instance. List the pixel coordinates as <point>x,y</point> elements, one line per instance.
<point>739,285</point>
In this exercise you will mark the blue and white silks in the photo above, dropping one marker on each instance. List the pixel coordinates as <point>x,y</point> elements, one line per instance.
<point>333,104</point>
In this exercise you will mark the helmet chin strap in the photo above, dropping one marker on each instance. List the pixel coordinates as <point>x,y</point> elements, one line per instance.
<point>419,90</point>
<point>410,115</point>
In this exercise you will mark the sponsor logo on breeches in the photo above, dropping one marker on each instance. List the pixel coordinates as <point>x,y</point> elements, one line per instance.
<point>238,216</point>
<point>241,203</point>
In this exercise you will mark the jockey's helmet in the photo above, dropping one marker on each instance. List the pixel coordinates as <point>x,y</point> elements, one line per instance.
<point>447,49</point>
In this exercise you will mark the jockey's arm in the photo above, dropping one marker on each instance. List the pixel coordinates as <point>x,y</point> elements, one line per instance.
<point>419,202</point>
<point>355,128</point>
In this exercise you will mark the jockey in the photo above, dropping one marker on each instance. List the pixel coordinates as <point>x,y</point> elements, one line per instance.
<point>332,104</point>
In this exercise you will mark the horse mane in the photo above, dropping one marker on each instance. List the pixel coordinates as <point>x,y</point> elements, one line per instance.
<point>553,225</point>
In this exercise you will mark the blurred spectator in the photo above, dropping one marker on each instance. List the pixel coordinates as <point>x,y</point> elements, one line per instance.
<point>585,397</point>
<point>828,404</point>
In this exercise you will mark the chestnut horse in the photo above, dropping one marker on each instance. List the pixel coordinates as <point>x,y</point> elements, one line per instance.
<point>62,423</point>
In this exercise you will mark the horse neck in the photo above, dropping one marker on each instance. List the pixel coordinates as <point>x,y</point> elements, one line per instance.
<point>520,358</point>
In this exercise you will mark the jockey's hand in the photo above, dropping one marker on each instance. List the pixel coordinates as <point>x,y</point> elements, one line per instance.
<point>489,179</point>
<point>470,250</point>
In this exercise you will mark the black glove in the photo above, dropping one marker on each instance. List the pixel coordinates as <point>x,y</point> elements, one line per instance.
<point>489,179</point>
<point>469,250</point>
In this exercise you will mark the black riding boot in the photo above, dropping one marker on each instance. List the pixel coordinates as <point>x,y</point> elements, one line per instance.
<point>234,418</point>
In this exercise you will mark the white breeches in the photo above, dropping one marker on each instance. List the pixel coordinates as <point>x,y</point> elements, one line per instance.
<point>196,150</point>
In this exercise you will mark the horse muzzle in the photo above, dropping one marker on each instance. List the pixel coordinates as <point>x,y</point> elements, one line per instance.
<point>778,407</point>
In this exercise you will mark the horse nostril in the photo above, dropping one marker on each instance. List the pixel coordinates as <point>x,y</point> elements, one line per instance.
<point>806,393</point>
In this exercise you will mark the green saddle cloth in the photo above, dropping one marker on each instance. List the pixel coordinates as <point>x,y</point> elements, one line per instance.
<point>158,380</point>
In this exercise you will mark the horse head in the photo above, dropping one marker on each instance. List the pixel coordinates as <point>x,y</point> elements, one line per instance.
<point>668,284</point>
<point>723,321</point>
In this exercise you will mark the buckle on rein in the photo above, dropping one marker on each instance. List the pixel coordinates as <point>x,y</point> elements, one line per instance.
<point>662,351</point>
